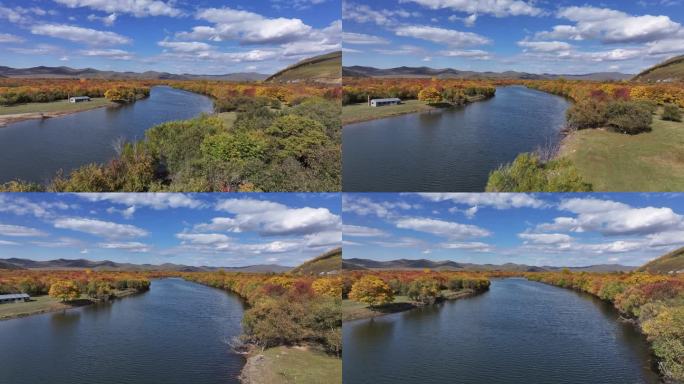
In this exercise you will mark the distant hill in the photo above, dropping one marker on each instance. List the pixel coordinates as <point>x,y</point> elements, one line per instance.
<point>328,262</point>
<point>15,263</point>
<point>669,70</point>
<point>672,262</point>
<point>450,73</point>
<point>90,73</point>
<point>447,265</point>
<point>321,69</point>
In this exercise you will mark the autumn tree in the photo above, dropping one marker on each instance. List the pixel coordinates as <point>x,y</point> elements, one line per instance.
<point>64,290</point>
<point>424,290</point>
<point>371,290</point>
<point>328,286</point>
<point>430,95</point>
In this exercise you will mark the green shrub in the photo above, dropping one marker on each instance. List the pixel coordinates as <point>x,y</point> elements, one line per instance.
<point>671,113</point>
<point>528,173</point>
<point>586,114</point>
<point>629,117</point>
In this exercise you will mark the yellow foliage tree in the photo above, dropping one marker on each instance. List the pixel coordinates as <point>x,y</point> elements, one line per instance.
<point>371,290</point>
<point>64,290</point>
<point>328,286</point>
<point>430,95</point>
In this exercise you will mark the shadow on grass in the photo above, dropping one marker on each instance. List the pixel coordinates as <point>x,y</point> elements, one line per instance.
<point>393,307</point>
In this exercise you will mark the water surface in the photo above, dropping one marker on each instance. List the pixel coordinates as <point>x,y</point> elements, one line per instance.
<point>518,332</point>
<point>450,150</point>
<point>33,150</point>
<point>175,333</point>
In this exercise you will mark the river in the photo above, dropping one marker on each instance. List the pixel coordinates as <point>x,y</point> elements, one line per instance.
<point>175,333</point>
<point>517,332</point>
<point>449,150</point>
<point>34,150</point>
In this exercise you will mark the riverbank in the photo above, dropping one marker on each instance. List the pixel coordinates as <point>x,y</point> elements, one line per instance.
<point>610,161</point>
<point>352,310</point>
<point>357,113</point>
<point>296,364</point>
<point>45,304</point>
<point>31,111</point>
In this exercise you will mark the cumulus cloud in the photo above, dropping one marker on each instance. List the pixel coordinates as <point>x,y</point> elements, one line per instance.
<point>19,205</point>
<point>79,34</point>
<point>117,54</point>
<point>8,38</point>
<point>100,228</point>
<point>108,20</point>
<point>494,200</point>
<point>365,206</point>
<point>137,8</point>
<point>468,246</point>
<point>442,228</point>
<point>272,219</point>
<point>450,37</point>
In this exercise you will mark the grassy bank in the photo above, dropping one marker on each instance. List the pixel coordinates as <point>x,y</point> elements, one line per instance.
<point>610,161</point>
<point>30,111</point>
<point>353,310</point>
<point>45,304</point>
<point>284,365</point>
<point>356,113</point>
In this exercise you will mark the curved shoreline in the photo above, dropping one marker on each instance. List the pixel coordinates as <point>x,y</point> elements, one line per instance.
<point>6,120</point>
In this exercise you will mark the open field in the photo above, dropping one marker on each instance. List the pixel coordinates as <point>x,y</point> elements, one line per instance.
<point>55,106</point>
<point>356,113</point>
<point>284,365</point>
<point>651,161</point>
<point>45,303</point>
<point>353,310</point>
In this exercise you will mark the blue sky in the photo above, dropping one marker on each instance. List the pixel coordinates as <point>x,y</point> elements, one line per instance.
<point>192,229</point>
<point>178,36</point>
<point>535,229</point>
<point>543,36</point>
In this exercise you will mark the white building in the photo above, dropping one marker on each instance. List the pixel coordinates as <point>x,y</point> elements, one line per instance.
<point>14,298</point>
<point>78,99</point>
<point>383,102</point>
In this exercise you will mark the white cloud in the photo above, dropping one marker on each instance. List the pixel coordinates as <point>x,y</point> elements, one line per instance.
<point>186,46</point>
<point>362,13</point>
<point>158,201</point>
<point>468,246</point>
<point>364,206</point>
<point>101,228</point>
<point>116,54</point>
<point>497,8</point>
<point>494,200</point>
<point>108,20</point>
<point>126,213</point>
<point>470,54</point>
<point>442,228</point>
<point>137,8</point>
<point>79,34</point>
<point>362,39</point>
<point>6,242</point>
<point>450,37</point>
<point>247,27</point>
<point>546,238</point>
<point>611,26</point>
<point>18,205</point>
<point>361,231</point>
<point>204,238</point>
<point>19,231</point>
<point>132,246</point>
<point>269,218</point>
<point>8,38</point>
<point>545,46</point>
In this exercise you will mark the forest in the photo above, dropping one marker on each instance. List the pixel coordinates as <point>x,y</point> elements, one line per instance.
<point>262,137</point>
<point>431,91</point>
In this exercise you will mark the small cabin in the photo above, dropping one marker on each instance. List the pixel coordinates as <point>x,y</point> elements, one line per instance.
<point>384,102</point>
<point>78,99</point>
<point>14,298</point>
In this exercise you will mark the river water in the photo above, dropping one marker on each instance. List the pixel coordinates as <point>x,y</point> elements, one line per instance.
<point>450,150</point>
<point>175,333</point>
<point>517,332</point>
<point>34,150</point>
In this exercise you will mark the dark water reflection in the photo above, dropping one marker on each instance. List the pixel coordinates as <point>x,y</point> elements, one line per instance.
<point>34,150</point>
<point>453,150</point>
<point>175,333</point>
<point>518,332</point>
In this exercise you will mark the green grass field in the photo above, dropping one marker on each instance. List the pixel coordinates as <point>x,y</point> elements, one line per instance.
<point>285,365</point>
<point>355,113</point>
<point>352,310</point>
<point>228,118</point>
<point>610,161</point>
<point>55,106</point>
<point>39,304</point>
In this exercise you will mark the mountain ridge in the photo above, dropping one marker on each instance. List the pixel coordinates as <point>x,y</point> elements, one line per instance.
<point>446,73</point>
<point>360,264</point>
<point>63,72</point>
